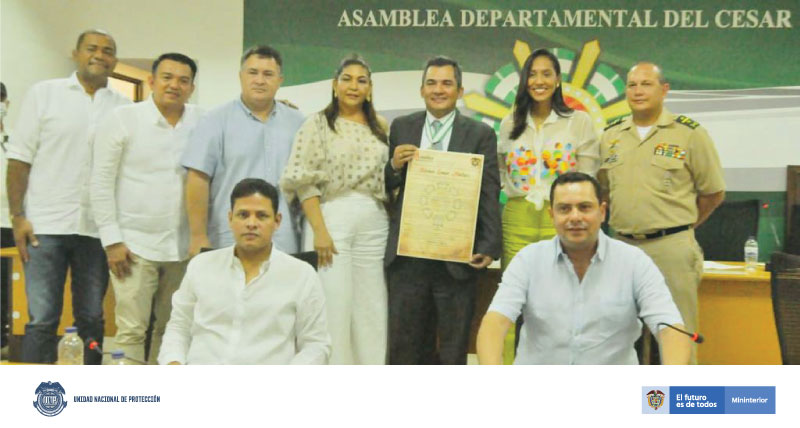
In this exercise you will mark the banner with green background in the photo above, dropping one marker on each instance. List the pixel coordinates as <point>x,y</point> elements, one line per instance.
<point>724,60</point>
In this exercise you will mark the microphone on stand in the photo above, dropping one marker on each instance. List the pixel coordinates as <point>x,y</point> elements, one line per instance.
<point>694,337</point>
<point>93,345</point>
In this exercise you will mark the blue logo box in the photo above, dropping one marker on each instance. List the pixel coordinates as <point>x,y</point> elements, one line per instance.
<point>710,400</point>
<point>697,399</point>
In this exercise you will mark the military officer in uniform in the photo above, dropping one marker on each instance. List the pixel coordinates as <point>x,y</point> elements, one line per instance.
<point>664,179</point>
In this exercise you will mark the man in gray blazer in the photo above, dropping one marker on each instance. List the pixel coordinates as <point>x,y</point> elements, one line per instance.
<point>430,298</point>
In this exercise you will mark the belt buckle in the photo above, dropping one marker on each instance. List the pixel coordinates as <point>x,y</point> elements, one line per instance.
<point>639,236</point>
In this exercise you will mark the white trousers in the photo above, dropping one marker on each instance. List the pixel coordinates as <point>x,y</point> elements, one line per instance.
<point>355,285</point>
<point>148,290</point>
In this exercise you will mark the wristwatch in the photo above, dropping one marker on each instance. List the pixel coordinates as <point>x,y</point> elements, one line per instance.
<point>13,216</point>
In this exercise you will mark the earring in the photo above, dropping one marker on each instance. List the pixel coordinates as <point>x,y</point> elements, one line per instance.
<point>369,98</point>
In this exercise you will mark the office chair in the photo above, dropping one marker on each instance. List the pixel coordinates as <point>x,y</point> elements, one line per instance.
<point>792,244</point>
<point>722,236</point>
<point>309,257</point>
<point>786,304</point>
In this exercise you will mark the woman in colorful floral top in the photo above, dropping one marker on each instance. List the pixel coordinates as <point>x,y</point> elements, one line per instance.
<point>336,170</point>
<point>541,139</point>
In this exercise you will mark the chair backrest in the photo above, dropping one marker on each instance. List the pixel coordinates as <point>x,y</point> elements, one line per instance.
<point>792,245</point>
<point>722,236</point>
<point>309,257</point>
<point>786,304</point>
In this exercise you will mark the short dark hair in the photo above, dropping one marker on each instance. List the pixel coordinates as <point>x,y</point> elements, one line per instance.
<point>576,177</point>
<point>3,93</point>
<point>441,61</point>
<point>263,51</point>
<point>251,186</point>
<point>177,57</point>
<point>94,31</point>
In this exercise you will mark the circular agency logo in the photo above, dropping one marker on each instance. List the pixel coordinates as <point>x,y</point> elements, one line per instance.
<point>50,398</point>
<point>587,85</point>
<point>655,399</point>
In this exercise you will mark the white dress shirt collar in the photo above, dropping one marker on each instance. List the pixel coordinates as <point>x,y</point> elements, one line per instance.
<point>429,117</point>
<point>236,264</point>
<point>599,254</point>
<point>249,112</point>
<point>157,118</point>
<point>425,143</point>
<point>551,118</point>
<point>74,83</point>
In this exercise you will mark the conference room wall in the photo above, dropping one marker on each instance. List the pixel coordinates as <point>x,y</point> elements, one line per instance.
<point>37,37</point>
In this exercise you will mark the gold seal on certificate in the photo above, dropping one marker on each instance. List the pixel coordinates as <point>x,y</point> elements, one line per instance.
<point>440,206</point>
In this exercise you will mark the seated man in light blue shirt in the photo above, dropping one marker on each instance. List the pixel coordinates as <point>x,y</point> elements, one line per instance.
<point>581,293</point>
<point>250,136</point>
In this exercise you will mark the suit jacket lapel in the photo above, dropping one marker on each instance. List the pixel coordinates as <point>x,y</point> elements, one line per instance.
<point>457,135</point>
<point>416,130</point>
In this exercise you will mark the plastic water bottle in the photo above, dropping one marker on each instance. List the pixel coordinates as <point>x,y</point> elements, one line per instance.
<point>750,254</point>
<point>70,348</point>
<point>118,358</point>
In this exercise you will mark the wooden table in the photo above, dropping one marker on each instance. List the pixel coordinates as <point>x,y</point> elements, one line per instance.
<point>736,318</point>
<point>19,303</point>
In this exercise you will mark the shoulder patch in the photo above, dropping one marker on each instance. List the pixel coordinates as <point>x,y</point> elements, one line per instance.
<point>613,124</point>
<point>684,120</point>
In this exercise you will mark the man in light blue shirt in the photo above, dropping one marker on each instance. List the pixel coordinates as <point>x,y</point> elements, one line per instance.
<point>581,293</point>
<point>250,137</point>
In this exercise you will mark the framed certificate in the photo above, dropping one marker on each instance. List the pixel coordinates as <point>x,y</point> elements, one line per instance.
<point>440,206</point>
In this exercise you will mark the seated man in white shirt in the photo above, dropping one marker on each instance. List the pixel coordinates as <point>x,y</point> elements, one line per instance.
<point>581,293</point>
<point>249,303</point>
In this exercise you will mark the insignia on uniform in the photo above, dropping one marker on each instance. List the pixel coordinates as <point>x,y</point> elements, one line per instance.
<point>613,124</point>
<point>612,152</point>
<point>684,120</point>
<point>670,150</point>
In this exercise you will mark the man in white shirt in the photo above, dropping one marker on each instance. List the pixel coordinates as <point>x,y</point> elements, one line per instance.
<point>137,200</point>
<point>6,234</point>
<point>48,169</point>
<point>249,303</point>
<point>581,293</point>
<point>5,221</point>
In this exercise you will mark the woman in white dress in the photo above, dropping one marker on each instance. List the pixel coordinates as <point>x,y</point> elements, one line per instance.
<point>336,170</point>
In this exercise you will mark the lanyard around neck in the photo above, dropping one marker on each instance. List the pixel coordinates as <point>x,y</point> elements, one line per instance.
<point>439,135</point>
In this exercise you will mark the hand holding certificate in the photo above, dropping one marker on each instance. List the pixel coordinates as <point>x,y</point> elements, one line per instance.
<point>440,206</point>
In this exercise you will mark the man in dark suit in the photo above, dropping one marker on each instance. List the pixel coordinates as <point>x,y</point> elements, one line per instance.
<point>430,298</point>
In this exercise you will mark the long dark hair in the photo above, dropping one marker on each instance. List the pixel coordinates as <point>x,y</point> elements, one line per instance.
<point>524,103</point>
<point>332,110</point>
